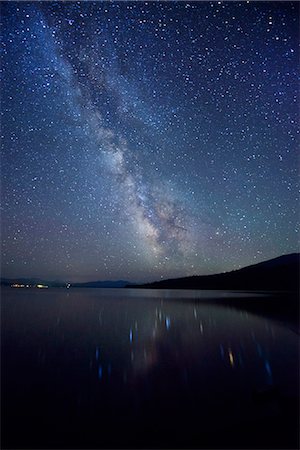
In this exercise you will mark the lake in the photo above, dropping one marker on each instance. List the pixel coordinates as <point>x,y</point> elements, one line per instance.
<point>122,368</point>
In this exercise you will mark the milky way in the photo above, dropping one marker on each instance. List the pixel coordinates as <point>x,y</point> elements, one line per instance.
<point>146,140</point>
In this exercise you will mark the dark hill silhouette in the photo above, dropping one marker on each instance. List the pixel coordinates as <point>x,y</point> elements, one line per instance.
<point>278,274</point>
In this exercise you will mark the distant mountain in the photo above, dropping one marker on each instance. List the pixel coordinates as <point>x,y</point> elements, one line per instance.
<point>101,284</point>
<point>89,284</point>
<point>31,282</point>
<point>280,273</point>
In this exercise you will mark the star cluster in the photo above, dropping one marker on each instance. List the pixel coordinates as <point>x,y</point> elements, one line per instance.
<point>143,140</point>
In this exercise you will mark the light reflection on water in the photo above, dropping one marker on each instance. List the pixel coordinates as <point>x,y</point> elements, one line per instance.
<point>110,353</point>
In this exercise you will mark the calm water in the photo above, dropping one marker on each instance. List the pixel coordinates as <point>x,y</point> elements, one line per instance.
<point>92,368</point>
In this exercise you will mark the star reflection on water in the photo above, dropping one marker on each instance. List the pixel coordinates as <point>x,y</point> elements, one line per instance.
<point>177,365</point>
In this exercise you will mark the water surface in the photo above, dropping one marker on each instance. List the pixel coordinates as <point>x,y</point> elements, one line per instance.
<point>117,368</point>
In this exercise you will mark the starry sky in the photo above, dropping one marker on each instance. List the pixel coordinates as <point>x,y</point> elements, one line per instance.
<point>147,140</point>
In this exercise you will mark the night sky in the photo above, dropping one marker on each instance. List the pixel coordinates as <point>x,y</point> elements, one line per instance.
<point>147,140</point>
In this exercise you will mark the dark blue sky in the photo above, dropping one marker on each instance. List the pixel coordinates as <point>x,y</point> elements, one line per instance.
<point>145,140</point>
